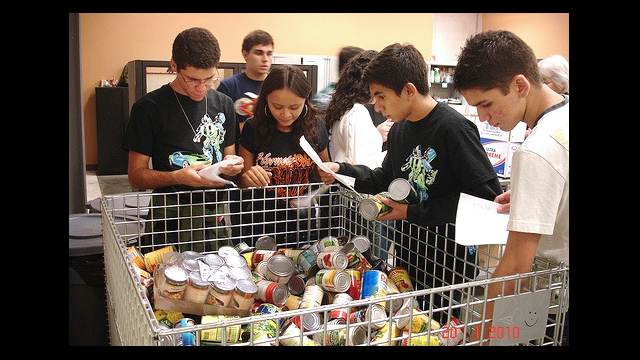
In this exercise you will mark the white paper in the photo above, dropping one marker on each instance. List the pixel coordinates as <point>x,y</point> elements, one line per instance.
<point>304,144</point>
<point>212,172</point>
<point>479,223</point>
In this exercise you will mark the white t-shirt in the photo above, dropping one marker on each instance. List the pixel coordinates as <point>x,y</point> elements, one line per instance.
<point>540,184</point>
<point>355,137</point>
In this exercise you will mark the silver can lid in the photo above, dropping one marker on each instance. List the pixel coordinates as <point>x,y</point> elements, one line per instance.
<point>341,281</point>
<point>369,209</point>
<point>226,251</point>
<point>225,284</point>
<point>361,242</point>
<point>246,286</point>
<point>175,274</point>
<point>280,265</point>
<point>280,294</point>
<point>213,260</point>
<point>399,189</point>
<point>311,321</point>
<point>266,242</point>
<point>296,285</point>
<point>197,281</point>
<point>236,261</point>
<point>239,273</point>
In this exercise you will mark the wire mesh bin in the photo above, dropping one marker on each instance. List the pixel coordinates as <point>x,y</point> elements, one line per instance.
<point>438,297</point>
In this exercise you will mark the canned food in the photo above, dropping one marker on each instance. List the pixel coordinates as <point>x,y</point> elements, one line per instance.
<point>226,251</point>
<point>420,340</point>
<point>358,261</point>
<point>152,259</point>
<point>266,308</point>
<point>279,268</point>
<point>337,335</point>
<point>310,321</point>
<point>190,265</point>
<point>187,338</point>
<point>220,292</point>
<point>236,261</point>
<point>261,255</point>
<point>242,247</point>
<point>216,335</point>
<point>312,297</point>
<point>239,273</point>
<point>292,254</point>
<point>293,302</point>
<point>374,284</point>
<point>355,284</point>
<point>400,190</point>
<point>197,289</point>
<point>419,322</point>
<point>377,314</point>
<point>271,292</point>
<point>266,242</point>
<point>307,262</point>
<point>262,330</point>
<point>373,206</point>
<point>395,304</point>
<point>296,285</point>
<point>361,242</point>
<point>400,278</point>
<point>175,281</point>
<point>339,316</point>
<point>328,243</point>
<point>332,260</point>
<point>243,294</point>
<point>213,260</point>
<point>333,280</point>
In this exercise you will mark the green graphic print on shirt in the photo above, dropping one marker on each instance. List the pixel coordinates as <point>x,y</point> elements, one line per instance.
<point>421,173</point>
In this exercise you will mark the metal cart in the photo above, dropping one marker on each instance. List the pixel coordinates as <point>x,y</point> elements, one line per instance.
<point>450,281</point>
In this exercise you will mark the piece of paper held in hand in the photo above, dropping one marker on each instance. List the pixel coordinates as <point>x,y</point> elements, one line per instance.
<point>479,223</point>
<point>212,172</point>
<point>316,158</point>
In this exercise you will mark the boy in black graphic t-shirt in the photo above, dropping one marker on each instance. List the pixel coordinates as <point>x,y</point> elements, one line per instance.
<point>183,127</point>
<point>432,146</point>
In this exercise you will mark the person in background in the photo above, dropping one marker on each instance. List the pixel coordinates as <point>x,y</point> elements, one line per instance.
<point>183,127</point>
<point>257,51</point>
<point>270,147</point>
<point>433,147</point>
<point>506,86</point>
<point>321,98</point>
<point>353,136</point>
<point>555,73</point>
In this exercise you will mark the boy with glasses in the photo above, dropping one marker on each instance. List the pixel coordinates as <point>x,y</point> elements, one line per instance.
<point>183,127</point>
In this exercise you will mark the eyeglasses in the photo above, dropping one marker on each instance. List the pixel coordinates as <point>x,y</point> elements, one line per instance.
<point>196,82</point>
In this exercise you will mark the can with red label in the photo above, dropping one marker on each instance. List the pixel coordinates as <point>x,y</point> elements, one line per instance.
<point>271,292</point>
<point>339,316</point>
<point>400,277</point>
<point>332,260</point>
<point>261,255</point>
<point>356,282</point>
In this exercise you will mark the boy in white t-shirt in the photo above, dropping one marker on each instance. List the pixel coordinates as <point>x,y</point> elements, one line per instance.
<point>497,72</point>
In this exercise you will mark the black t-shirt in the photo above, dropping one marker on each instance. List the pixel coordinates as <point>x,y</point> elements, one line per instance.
<point>159,128</point>
<point>441,156</point>
<point>283,156</point>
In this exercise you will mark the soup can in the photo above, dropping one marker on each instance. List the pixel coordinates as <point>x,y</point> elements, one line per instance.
<point>221,291</point>
<point>400,278</point>
<point>266,242</point>
<point>373,206</point>
<point>361,242</point>
<point>280,268</point>
<point>261,255</point>
<point>374,284</point>
<point>175,282</point>
<point>307,262</point>
<point>213,260</point>
<point>243,294</point>
<point>400,190</point>
<point>332,260</point>
<point>271,292</point>
<point>333,280</point>
<point>312,297</point>
<point>242,247</point>
<point>355,284</point>
<point>197,289</point>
